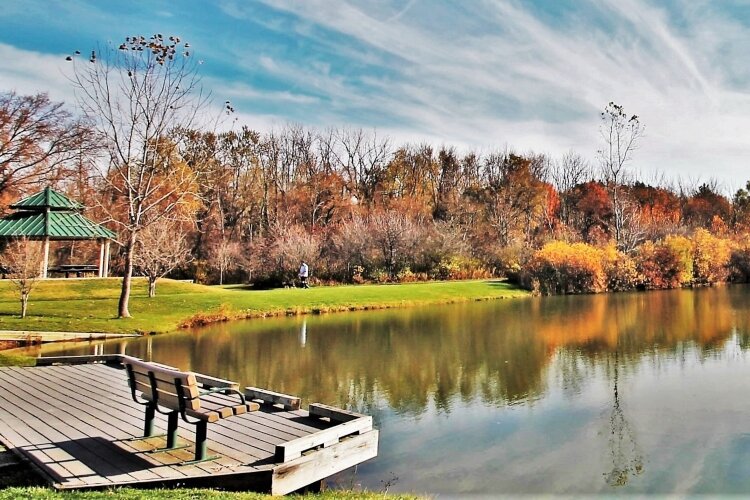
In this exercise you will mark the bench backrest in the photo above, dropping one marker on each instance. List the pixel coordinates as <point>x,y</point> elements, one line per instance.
<point>166,387</point>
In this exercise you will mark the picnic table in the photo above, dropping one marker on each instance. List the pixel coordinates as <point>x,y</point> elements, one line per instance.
<point>80,270</point>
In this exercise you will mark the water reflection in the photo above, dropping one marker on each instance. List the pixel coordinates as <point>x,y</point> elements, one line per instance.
<point>520,381</point>
<point>497,352</point>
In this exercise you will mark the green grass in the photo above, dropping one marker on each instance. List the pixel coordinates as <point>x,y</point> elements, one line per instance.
<point>16,360</point>
<point>91,305</point>
<point>181,494</point>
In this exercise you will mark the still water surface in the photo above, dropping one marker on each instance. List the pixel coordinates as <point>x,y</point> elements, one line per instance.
<point>624,393</point>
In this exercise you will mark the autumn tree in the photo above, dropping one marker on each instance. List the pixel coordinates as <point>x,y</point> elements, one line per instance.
<point>352,244</point>
<point>621,134</point>
<point>162,247</point>
<point>591,211</point>
<point>659,209</point>
<point>514,197</point>
<point>446,185</point>
<point>37,137</point>
<point>741,209</point>
<point>705,204</point>
<point>22,261</point>
<point>136,94</point>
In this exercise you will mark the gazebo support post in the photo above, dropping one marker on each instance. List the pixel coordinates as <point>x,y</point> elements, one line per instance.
<point>101,258</point>
<point>45,257</point>
<point>106,258</point>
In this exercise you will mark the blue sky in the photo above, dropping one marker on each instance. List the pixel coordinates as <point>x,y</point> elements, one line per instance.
<point>529,75</point>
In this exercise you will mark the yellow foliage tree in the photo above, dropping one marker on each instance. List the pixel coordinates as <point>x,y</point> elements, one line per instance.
<point>682,250</point>
<point>711,256</point>
<point>560,267</point>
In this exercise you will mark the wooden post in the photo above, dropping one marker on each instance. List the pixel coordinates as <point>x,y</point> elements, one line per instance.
<point>45,256</point>
<point>101,258</point>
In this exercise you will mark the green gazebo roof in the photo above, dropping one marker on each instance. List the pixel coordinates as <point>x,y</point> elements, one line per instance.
<point>48,198</point>
<point>49,214</point>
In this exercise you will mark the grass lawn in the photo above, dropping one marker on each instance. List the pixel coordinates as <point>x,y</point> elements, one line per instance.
<point>90,305</point>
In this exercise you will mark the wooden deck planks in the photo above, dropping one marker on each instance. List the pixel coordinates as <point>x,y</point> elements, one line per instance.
<point>75,431</point>
<point>135,412</point>
<point>77,423</point>
<point>103,423</point>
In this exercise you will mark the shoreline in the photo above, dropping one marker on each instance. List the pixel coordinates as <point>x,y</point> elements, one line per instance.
<point>86,306</point>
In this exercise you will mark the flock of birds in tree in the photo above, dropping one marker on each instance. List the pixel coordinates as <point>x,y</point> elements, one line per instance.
<point>162,50</point>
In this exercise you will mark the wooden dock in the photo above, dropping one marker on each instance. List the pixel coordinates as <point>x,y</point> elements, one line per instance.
<point>36,337</point>
<point>79,426</point>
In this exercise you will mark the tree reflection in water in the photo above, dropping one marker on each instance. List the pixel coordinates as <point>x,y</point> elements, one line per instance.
<point>625,454</point>
<point>498,353</point>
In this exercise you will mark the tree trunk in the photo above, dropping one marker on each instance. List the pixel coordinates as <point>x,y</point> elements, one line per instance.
<point>122,308</point>
<point>24,303</point>
<point>151,287</point>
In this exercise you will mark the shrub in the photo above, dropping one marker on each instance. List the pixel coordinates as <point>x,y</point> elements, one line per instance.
<point>406,276</point>
<point>380,275</point>
<point>460,268</point>
<point>507,262</point>
<point>560,267</point>
<point>739,265</point>
<point>358,275</point>
<point>659,266</point>
<point>711,256</point>
<point>620,269</point>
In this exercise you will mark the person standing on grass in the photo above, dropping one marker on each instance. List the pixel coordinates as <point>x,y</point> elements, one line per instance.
<point>303,273</point>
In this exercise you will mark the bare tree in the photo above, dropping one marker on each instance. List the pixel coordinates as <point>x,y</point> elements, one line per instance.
<point>621,134</point>
<point>162,247</point>
<point>633,231</point>
<point>352,243</point>
<point>224,254</point>
<point>293,244</point>
<point>571,170</point>
<point>394,235</point>
<point>136,94</point>
<point>36,137</point>
<point>361,158</point>
<point>22,260</point>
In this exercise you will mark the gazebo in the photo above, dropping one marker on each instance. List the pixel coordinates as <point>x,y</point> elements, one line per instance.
<point>49,215</point>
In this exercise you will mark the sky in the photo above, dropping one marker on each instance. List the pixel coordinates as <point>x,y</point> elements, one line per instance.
<point>480,75</point>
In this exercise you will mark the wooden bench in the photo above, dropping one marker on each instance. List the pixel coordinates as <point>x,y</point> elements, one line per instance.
<point>190,395</point>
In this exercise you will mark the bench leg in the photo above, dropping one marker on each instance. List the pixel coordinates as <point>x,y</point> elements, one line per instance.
<point>172,430</point>
<point>172,421</point>
<point>148,425</point>
<point>200,441</point>
<point>201,449</point>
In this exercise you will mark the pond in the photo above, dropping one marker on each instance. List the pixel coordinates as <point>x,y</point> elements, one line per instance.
<point>602,394</point>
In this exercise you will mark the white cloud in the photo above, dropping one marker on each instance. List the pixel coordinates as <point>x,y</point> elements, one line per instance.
<point>236,90</point>
<point>28,72</point>
<point>452,78</point>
